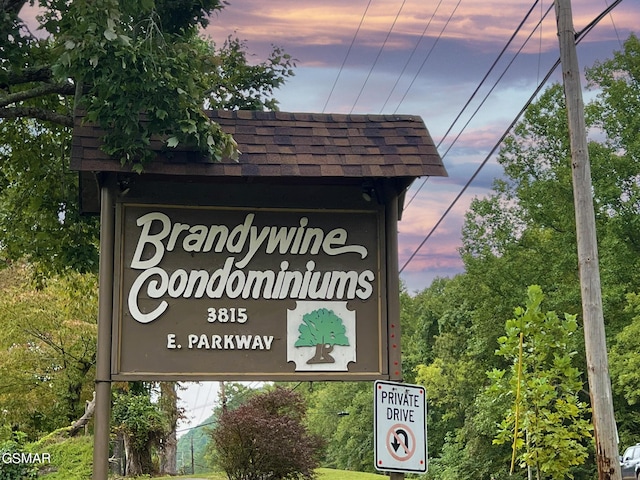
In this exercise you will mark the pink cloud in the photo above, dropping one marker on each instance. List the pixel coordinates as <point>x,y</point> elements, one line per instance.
<point>334,22</point>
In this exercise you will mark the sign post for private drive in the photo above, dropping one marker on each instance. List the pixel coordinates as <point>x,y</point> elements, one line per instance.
<point>282,266</point>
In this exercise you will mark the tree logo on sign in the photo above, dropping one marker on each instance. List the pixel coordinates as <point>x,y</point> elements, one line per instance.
<point>321,329</point>
<point>321,336</point>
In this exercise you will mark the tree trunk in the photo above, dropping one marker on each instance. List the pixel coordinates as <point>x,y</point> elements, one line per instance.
<point>322,354</point>
<point>82,421</point>
<point>169,451</point>
<point>117,461</point>
<point>138,461</point>
<point>169,461</point>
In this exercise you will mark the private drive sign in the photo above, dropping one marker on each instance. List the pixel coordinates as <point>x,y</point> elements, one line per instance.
<point>400,427</point>
<point>253,293</point>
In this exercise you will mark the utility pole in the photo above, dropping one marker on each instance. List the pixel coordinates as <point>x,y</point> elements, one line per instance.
<point>604,424</point>
<point>223,396</point>
<point>193,464</point>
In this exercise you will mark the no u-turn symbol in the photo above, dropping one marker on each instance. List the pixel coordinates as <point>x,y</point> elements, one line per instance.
<point>400,426</point>
<point>401,442</point>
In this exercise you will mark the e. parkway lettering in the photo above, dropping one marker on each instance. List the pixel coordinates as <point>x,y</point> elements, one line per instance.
<point>221,342</point>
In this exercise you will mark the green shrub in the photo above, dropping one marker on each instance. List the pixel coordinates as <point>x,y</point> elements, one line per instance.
<point>11,464</point>
<point>71,458</point>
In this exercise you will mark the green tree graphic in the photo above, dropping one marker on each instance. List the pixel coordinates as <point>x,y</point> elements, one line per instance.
<point>322,329</point>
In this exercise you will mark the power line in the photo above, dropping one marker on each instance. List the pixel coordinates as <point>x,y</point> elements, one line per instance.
<point>615,29</point>
<point>475,92</point>
<point>375,62</point>
<point>427,57</point>
<point>415,48</point>
<point>353,41</point>
<point>579,36</point>
<point>496,82</point>
<point>480,167</point>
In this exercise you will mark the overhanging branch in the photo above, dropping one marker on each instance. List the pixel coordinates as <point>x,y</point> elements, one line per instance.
<point>12,113</point>
<point>26,75</point>
<point>39,91</point>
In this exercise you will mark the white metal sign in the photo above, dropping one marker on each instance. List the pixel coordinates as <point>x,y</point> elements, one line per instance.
<point>400,427</point>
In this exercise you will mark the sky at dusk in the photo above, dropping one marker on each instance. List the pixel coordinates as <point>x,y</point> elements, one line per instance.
<point>423,58</point>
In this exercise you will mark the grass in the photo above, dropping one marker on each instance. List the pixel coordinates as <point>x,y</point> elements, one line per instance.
<point>71,460</point>
<point>323,474</point>
<point>330,474</point>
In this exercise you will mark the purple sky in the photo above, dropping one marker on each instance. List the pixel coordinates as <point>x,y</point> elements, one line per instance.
<point>440,71</point>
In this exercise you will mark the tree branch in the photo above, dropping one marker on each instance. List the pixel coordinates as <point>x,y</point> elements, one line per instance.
<point>12,6</point>
<point>82,421</point>
<point>39,91</point>
<point>37,114</point>
<point>40,74</point>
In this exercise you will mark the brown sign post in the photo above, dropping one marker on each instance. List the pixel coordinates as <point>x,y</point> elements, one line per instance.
<point>282,266</point>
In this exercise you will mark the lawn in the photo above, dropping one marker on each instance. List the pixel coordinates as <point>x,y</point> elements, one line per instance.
<point>323,474</point>
<point>330,474</point>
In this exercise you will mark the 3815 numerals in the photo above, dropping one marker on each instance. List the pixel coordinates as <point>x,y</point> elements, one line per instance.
<point>227,315</point>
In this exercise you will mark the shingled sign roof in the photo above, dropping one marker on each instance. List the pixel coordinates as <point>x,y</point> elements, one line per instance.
<point>280,144</point>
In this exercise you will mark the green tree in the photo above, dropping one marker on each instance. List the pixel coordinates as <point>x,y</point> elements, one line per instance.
<point>47,349</point>
<point>522,234</point>
<point>547,422</point>
<point>40,218</point>
<point>322,329</point>
<point>139,69</point>
<point>140,423</point>
<point>265,439</point>
<point>625,376</point>
<point>342,414</point>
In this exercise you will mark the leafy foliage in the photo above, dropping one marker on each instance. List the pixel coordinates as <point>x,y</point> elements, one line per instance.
<point>235,84</point>
<point>547,422</point>
<point>39,211</point>
<point>140,423</point>
<point>342,413</point>
<point>141,71</point>
<point>15,471</point>
<point>265,439</point>
<point>47,348</point>
<point>130,67</point>
<point>625,376</point>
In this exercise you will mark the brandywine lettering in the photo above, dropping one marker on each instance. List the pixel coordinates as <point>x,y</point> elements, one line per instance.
<point>231,280</point>
<point>218,238</point>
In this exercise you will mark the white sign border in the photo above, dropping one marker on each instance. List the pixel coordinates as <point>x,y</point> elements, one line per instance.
<point>380,437</point>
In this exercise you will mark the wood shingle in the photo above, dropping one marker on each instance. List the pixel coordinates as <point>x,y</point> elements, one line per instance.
<point>282,144</point>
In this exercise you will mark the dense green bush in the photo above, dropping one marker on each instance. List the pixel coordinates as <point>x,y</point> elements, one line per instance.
<point>10,468</point>
<point>71,458</point>
<point>265,439</point>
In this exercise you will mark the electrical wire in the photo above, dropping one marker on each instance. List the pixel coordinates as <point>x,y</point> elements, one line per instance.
<point>579,37</point>
<point>413,52</point>
<point>353,41</point>
<point>497,82</point>
<point>481,166</point>
<point>613,23</point>
<point>427,57</point>
<point>475,92</point>
<point>375,62</point>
